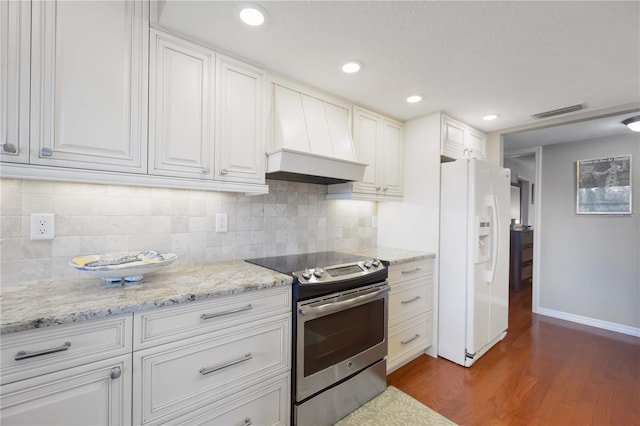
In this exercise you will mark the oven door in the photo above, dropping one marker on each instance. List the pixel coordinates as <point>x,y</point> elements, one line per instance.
<point>339,335</point>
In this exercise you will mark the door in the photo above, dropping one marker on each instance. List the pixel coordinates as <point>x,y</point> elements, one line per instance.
<point>15,21</point>
<point>94,394</point>
<point>501,184</point>
<point>390,158</point>
<point>479,223</point>
<point>89,84</point>
<point>180,108</point>
<point>240,140</point>
<point>366,142</point>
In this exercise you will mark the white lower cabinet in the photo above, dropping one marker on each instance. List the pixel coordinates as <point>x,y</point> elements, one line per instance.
<point>410,312</point>
<point>225,361</point>
<point>93,394</point>
<point>237,367</point>
<point>72,374</point>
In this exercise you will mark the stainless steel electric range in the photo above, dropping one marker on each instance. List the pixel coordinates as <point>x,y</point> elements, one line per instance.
<point>339,333</point>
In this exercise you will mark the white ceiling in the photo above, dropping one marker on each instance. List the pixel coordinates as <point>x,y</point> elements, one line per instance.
<point>468,59</point>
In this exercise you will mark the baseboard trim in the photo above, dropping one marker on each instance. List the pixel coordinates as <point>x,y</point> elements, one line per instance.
<point>619,328</point>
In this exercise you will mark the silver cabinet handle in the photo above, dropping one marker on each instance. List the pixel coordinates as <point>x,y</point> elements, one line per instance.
<point>46,152</point>
<point>224,172</point>
<point>206,370</point>
<point>24,354</point>
<point>115,373</point>
<point>9,147</point>
<point>247,422</point>
<point>205,170</point>
<point>411,271</point>
<point>415,299</point>
<point>378,188</point>
<point>405,342</point>
<point>386,188</point>
<point>230,311</point>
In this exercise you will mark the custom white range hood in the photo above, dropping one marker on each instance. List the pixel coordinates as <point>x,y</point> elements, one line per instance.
<point>311,140</point>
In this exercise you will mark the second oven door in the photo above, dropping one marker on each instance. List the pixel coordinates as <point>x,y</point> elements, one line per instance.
<point>339,335</point>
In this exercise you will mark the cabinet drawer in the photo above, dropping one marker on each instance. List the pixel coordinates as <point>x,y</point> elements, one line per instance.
<point>408,340</point>
<point>527,254</point>
<point>179,377</point>
<point>35,352</point>
<point>526,272</point>
<point>166,325</point>
<point>411,270</point>
<point>264,405</point>
<point>409,299</point>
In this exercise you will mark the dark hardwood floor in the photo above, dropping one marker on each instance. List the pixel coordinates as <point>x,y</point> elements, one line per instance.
<point>545,372</point>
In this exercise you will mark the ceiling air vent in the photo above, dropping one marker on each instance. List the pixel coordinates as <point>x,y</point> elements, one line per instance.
<point>558,111</point>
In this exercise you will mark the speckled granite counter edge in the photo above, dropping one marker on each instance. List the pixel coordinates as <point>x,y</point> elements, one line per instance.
<point>85,299</point>
<point>393,255</point>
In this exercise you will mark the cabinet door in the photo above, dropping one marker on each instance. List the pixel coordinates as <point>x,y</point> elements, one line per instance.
<point>89,84</point>
<point>181,115</point>
<point>15,21</point>
<point>475,144</point>
<point>366,140</point>
<point>240,137</point>
<point>392,159</point>
<point>92,394</point>
<point>452,139</point>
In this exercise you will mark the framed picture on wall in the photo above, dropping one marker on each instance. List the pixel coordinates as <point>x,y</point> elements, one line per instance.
<point>604,186</point>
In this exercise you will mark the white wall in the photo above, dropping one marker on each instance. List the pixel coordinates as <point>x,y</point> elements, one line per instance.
<point>414,224</point>
<point>590,264</point>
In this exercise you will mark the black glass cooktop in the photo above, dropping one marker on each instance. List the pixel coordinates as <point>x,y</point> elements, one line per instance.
<point>299,262</point>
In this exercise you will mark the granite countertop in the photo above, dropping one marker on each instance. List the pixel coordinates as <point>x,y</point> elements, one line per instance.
<point>393,255</point>
<point>42,303</point>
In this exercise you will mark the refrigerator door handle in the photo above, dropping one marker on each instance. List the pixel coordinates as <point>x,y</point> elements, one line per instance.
<point>495,237</point>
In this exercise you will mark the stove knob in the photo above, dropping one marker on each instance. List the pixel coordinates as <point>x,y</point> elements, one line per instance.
<point>318,272</point>
<point>306,274</point>
<point>367,264</point>
<point>375,262</point>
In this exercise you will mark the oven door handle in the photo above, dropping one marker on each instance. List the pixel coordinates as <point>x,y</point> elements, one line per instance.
<point>343,304</point>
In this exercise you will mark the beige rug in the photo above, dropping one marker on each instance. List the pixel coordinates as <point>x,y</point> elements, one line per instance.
<point>394,407</point>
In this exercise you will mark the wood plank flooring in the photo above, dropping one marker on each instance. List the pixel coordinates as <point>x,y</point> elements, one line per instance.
<point>545,372</point>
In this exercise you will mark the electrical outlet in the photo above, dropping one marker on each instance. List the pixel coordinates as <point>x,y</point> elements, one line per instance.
<point>42,226</point>
<point>222,221</point>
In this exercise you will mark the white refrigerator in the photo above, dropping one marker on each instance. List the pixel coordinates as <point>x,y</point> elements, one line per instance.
<point>474,259</point>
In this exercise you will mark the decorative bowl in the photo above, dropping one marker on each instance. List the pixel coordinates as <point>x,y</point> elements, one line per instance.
<point>123,267</point>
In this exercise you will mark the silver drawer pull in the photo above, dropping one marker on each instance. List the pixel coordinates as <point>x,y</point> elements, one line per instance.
<point>412,271</point>
<point>223,313</point>
<point>247,422</point>
<point>405,342</point>
<point>24,354</point>
<point>115,373</point>
<point>9,147</point>
<point>415,299</point>
<point>224,172</point>
<point>46,152</point>
<point>207,370</point>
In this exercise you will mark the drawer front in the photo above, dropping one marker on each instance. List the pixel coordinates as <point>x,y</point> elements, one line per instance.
<point>165,325</point>
<point>411,270</point>
<point>526,272</point>
<point>180,377</point>
<point>527,254</point>
<point>98,393</point>
<point>408,340</point>
<point>40,351</point>
<point>267,404</point>
<point>409,299</point>
<point>527,237</point>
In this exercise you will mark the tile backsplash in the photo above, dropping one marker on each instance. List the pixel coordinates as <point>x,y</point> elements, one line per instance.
<point>90,219</point>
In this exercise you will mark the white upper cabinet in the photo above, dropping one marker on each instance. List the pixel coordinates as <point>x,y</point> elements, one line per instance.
<point>181,107</point>
<point>379,142</point>
<point>89,84</point>
<point>240,123</point>
<point>15,21</point>
<point>461,141</point>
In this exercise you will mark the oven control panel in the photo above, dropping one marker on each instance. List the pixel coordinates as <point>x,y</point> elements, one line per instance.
<point>338,272</point>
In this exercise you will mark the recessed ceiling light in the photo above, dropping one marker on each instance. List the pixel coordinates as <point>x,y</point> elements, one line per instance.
<point>414,99</point>
<point>633,123</point>
<point>352,67</point>
<point>252,15</point>
<point>490,117</point>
